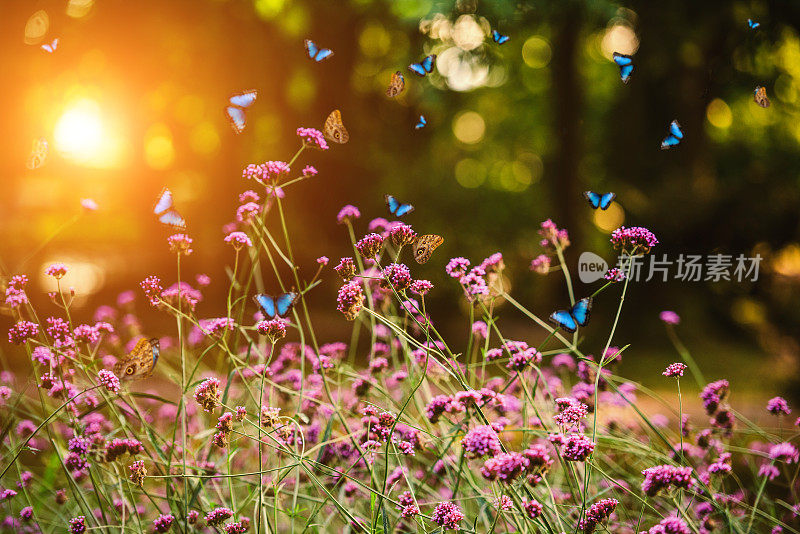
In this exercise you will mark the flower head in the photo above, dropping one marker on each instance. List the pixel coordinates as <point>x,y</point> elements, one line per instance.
<point>347,214</point>
<point>346,269</point>
<point>350,300</point>
<point>778,406</point>
<point>457,267</point>
<point>674,369</point>
<point>180,244</point>
<point>312,137</point>
<point>108,380</point>
<point>238,240</point>
<point>152,289</point>
<point>247,212</point>
<point>207,394</point>
<point>398,275</point>
<point>541,264</point>
<point>309,171</point>
<point>369,245</point>
<point>22,332</point>
<point>614,275</point>
<point>669,317</point>
<point>421,287</point>
<point>56,270</point>
<point>323,260</point>
<point>402,234</point>
<point>633,240</point>
<point>447,515</point>
<point>274,329</point>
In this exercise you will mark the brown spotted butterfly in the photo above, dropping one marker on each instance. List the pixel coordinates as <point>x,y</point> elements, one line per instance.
<point>334,128</point>
<point>140,362</point>
<point>424,246</point>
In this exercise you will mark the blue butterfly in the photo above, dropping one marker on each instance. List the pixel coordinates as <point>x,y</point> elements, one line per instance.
<point>421,123</point>
<point>397,208</point>
<point>577,316</point>
<point>753,25</point>
<point>674,137</point>
<point>625,64</point>
<point>499,38</point>
<point>316,53</point>
<point>166,212</point>
<point>276,306</point>
<point>599,200</point>
<point>51,47</point>
<point>236,110</point>
<point>424,67</point>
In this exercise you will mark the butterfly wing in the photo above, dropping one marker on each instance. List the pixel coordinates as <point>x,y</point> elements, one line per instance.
<point>421,123</point>
<point>396,85</point>
<point>625,64</point>
<point>244,99</point>
<point>499,38</point>
<point>311,48</point>
<point>425,245</point>
<point>267,304</point>
<point>172,218</point>
<point>140,362</point>
<point>593,198</point>
<point>334,128</point>
<point>428,63</point>
<point>753,24</point>
<point>675,129</point>
<point>581,311</point>
<point>324,53</point>
<point>397,208</point>
<point>417,69</point>
<point>51,47</point>
<point>760,97</point>
<point>164,201</point>
<point>285,302</point>
<point>606,199</point>
<point>563,319</point>
<point>237,118</point>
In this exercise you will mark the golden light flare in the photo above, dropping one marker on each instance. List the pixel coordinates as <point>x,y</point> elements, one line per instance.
<point>610,219</point>
<point>469,127</point>
<point>36,27</point>
<point>619,38</point>
<point>84,276</point>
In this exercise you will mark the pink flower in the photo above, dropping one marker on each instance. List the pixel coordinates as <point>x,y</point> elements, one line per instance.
<point>347,214</point>
<point>402,234</point>
<point>56,270</point>
<point>152,289</point>
<point>635,239</point>
<point>541,264</point>
<point>614,275</point>
<point>249,196</point>
<point>457,267</point>
<point>398,275</point>
<point>369,245</point>
<point>778,406</point>
<point>350,300</point>
<point>22,332</point>
<point>346,269</point>
<point>108,380</point>
<point>247,212</point>
<point>323,260</point>
<point>180,244</point>
<point>15,292</point>
<point>163,522</point>
<point>274,329</point>
<point>309,171</point>
<point>88,204</point>
<point>238,240</point>
<point>447,515</point>
<point>481,441</point>
<point>669,317</point>
<point>312,137</point>
<point>207,394</point>
<point>421,287</point>
<point>674,369</point>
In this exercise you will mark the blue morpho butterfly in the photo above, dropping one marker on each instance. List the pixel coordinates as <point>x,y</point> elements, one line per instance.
<point>276,306</point>
<point>753,25</point>
<point>599,200</point>
<point>577,316</point>
<point>51,47</point>
<point>166,212</point>
<point>421,123</point>
<point>316,53</point>
<point>236,110</point>
<point>499,38</point>
<point>424,67</point>
<point>625,64</point>
<point>674,137</point>
<point>397,208</point>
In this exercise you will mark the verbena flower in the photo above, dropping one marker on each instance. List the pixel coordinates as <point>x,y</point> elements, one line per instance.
<point>312,137</point>
<point>597,513</point>
<point>447,515</point>
<point>238,240</point>
<point>664,477</point>
<point>347,214</point>
<point>323,260</point>
<point>402,234</point>
<point>207,394</point>
<point>163,522</point>
<point>481,441</point>
<point>350,300</point>
<point>77,525</point>
<point>778,406</point>
<point>274,329</point>
<point>398,275</point>
<point>138,473</point>
<point>457,267</point>
<point>552,236</point>
<point>714,394</point>
<point>180,244</point>
<point>108,380</point>
<point>369,245</point>
<point>309,171</point>
<point>541,264</point>
<point>15,292</point>
<point>246,213</point>
<point>421,287</point>
<point>152,289</point>
<point>533,508</point>
<point>614,275</point>
<point>784,452</point>
<point>669,317</point>
<point>346,269</point>
<point>22,331</point>
<point>674,369</point>
<point>633,240</point>
<point>56,270</point>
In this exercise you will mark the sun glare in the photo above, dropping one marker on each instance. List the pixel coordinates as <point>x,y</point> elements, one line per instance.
<point>79,132</point>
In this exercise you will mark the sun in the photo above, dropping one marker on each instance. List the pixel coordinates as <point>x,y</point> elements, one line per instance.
<point>79,133</point>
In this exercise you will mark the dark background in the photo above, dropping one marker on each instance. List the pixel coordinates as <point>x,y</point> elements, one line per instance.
<point>556,120</point>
